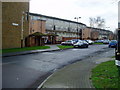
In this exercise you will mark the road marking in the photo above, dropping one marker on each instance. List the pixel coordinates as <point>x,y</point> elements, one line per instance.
<point>37,61</point>
<point>9,63</point>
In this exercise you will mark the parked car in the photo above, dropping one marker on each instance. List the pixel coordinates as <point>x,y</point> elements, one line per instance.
<point>68,42</point>
<point>86,41</point>
<point>82,44</point>
<point>89,42</point>
<point>99,41</point>
<point>113,43</point>
<point>75,40</point>
<point>106,41</point>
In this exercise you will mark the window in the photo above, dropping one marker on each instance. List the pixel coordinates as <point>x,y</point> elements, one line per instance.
<point>68,28</point>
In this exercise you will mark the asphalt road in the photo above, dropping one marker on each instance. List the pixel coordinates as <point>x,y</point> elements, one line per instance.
<point>28,71</point>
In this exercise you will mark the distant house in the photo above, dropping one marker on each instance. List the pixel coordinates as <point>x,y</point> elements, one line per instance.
<point>96,33</point>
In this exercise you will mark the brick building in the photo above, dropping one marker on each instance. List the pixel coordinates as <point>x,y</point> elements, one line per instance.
<point>14,18</point>
<point>65,29</point>
<point>36,33</point>
<point>96,33</point>
<point>86,33</point>
<point>37,26</point>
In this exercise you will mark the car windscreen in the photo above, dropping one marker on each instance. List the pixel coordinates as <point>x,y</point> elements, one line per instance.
<point>113,41</point>
<point>68,41</point>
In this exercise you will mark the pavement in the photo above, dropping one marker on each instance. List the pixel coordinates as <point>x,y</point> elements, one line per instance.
<point>76,75</point>
<point>52,48</point>
<point>71,76</point>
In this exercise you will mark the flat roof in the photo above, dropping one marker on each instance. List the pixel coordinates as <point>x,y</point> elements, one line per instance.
<point>35,14</point>
<point>99,29</point>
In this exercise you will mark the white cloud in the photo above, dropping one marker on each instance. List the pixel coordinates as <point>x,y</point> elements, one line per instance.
<point>68,9</point>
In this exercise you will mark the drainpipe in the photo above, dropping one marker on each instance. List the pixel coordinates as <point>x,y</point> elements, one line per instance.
<point>22,30</point>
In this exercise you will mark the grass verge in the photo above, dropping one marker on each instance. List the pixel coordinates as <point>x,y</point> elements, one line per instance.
<point>24,49</point>
<point>98,43</point>
<point>63,46</point>
<point>113,57</point>
<point>105,75</point>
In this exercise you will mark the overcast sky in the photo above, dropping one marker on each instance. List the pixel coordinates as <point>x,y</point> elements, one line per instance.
<point>68,9</point>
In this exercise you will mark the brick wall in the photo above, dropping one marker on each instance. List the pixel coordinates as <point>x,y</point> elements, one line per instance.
<point>111,36</point>
<point>37,26</point>
<point>86,33</point>
<point>94,35</point>
<point>0,25</point>
<point>68,38</point>
<point>12,13</point>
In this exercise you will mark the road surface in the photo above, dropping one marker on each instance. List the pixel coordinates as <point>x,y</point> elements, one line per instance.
<point>28,71</point>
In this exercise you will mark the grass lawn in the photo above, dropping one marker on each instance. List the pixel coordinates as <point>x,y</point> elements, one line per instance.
<point>24,49</point>
<point>105,75</point>
<point>63,46</point>
<point>98,43</point>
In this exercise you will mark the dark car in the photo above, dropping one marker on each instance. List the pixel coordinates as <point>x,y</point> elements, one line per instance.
<point>113,43</point>
<point>82,44</point>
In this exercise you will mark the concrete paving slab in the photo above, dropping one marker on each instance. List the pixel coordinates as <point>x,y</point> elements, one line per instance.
<point>72,76</point>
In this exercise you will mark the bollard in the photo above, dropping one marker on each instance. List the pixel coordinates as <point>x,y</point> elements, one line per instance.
<point>118,77</point>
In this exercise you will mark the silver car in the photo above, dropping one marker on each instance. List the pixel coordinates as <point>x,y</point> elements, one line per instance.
<point>68,42</point>
<point>82,44</point>
<point>90,42</point>
<point>106,41</point>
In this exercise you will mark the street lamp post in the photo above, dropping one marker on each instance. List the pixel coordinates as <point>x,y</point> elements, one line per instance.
<point>77,25</point>
<point>117,55</point>
<point>24,15</point>
<point>107,28</point>
<point>54,27</point>
<point>117,51</point>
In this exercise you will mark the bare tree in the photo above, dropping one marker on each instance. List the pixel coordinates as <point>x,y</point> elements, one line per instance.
<point>92,22</point>
<point>100,22</point>
<point>97,22</point>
